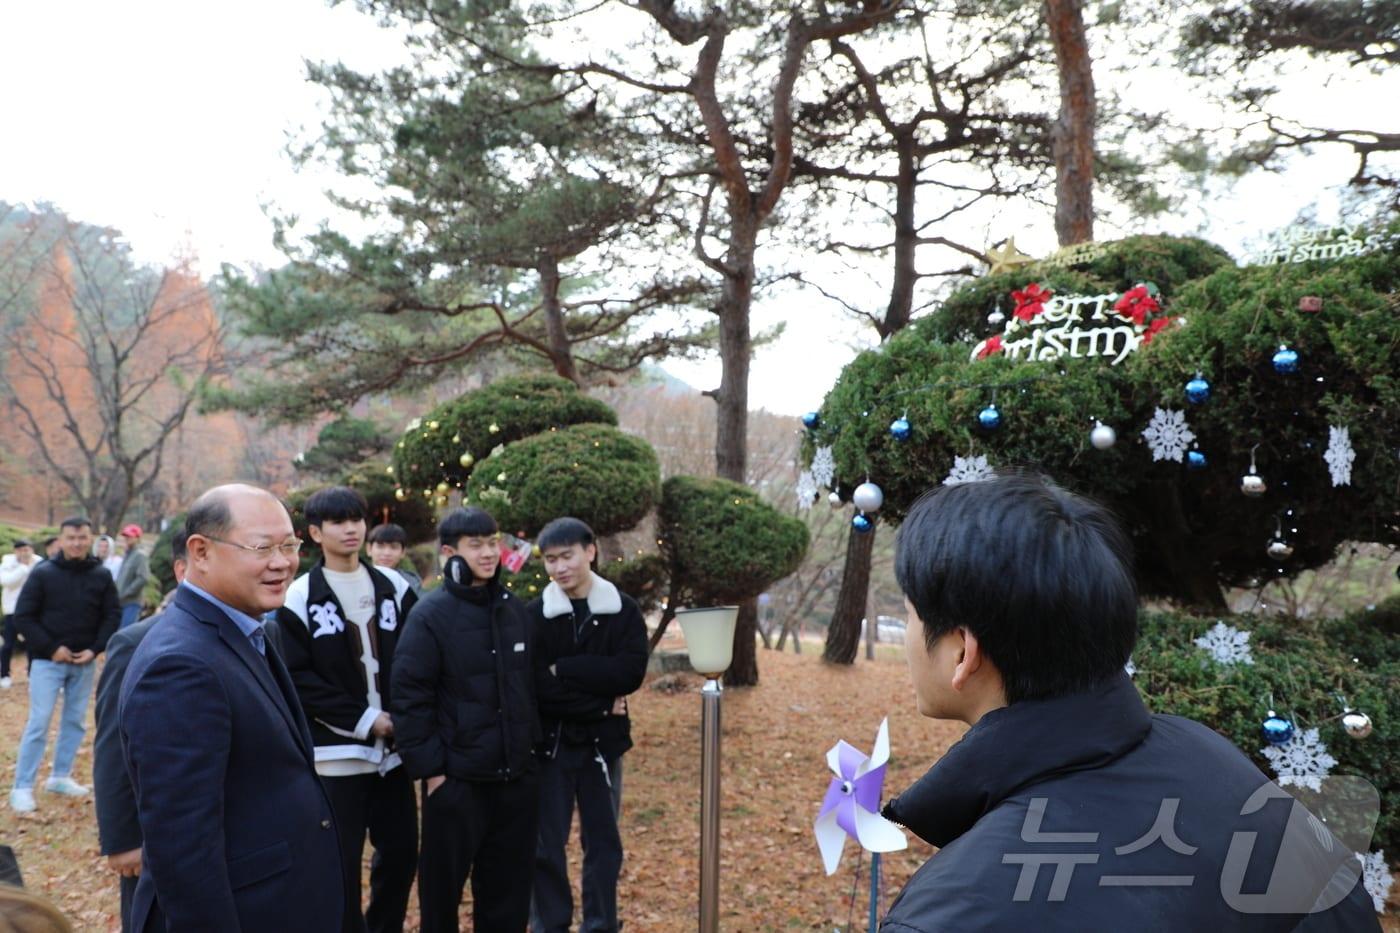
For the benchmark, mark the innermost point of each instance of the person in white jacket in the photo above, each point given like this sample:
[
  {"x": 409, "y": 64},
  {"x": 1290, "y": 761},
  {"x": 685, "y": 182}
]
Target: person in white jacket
[{"x": 14, "y": 570}]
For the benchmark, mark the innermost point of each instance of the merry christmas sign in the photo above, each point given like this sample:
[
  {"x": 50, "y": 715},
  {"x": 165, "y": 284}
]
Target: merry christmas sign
[{"x": 1046, "y": 326}]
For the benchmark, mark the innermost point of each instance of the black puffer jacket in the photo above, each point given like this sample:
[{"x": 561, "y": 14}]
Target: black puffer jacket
[
  {"x": 1085, "y": 813},
  {"x": 463, "y": 690},
  {"x": 67, "y": 602}
]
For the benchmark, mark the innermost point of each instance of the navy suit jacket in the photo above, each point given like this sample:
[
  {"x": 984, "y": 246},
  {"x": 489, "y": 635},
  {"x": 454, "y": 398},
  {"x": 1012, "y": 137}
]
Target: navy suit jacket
[
  {"x": 237, "y": 829},
  {"x": 118, "y": 829}
]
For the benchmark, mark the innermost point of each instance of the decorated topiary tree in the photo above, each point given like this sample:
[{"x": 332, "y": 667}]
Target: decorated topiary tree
[
  {"x": 722, "y": 544},
  {"x": 1075, "y": 370},
  {"x": 594, "y": 472},
  {"x": 439, "y": 450}
]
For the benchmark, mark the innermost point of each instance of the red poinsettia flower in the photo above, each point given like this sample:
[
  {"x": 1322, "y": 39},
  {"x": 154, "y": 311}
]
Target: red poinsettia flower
[
  {"x": 1137, "y": 303},
  {"x": 993, "y": 345},
  {"x": 1031, "y": 301},
  {"x": 1158, "y": 324}
]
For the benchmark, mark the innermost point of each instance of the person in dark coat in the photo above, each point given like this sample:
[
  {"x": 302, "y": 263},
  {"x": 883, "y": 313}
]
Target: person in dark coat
[
  {"x": 238, "y": 833},
  {"x": 66, "y": 612},
  {"x": 337, "y": 632},
  {"x": 592, "y": 652},
  {"x": 118, "y": 825},
  {"x": 466, "y": 723},
  {"x": 1067, "y": 805}
]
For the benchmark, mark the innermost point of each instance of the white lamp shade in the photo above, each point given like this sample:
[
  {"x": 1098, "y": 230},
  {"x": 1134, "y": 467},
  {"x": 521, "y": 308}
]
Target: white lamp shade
[{"x": 709, "y": 637}]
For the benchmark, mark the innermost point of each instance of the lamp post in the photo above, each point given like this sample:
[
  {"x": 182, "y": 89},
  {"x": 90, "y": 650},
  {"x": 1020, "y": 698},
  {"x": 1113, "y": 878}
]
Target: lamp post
[{"x": 709, "y": 640}]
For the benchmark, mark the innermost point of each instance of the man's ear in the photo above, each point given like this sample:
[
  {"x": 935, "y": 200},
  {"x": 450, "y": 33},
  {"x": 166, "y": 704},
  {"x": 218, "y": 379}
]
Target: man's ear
[
  {"x": 197, "y": 549},
  {"x": 447, "y": 551},
  {"x": 314, "y": 531},
  {"x": 970, "y": 659}
]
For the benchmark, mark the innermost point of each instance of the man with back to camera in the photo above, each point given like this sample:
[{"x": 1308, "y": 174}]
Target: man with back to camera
[
  {"x": 238, "y": 834},
  {"x": 338, "y": 631},
  {"x": 14, "y": 570},
  {"x": 66, "y": 612},
  {"x": 118, "y": 823},
  {"x": 1022, "y": 613},
  {"x": 467, "y": 724},
  {"x": 592, "y": 653}
]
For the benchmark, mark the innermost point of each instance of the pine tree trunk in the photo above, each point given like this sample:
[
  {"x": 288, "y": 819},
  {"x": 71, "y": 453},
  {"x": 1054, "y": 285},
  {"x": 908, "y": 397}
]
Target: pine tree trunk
[
  {"x": 843, "y": 635},
  {"x": 1072, "y": 136},
  {"x": 561, "y": 353}
]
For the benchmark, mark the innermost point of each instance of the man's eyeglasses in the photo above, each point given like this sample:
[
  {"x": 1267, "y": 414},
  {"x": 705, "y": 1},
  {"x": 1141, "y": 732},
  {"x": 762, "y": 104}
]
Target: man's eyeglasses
[{"x": 288, "y": 549}]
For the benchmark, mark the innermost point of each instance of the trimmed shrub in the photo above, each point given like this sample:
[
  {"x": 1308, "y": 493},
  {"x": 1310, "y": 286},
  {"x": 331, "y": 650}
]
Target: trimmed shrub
[
  {"x": 643, "y": 578},
  {"x": 431, "y": 451},
  {"x": 722, "y": 543},
  {"x": 162, "y": 567},
  {"x": 594, "y": 472},
  {"x": 1302, "y": 668}
]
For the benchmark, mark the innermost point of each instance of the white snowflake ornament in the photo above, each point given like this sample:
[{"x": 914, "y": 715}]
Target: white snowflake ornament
[
  {"x": 806, "y": 490},
  {"x": 823, "y": 468},
  {"x": 1302, "y": 761},
  {"x": 1375, "y": 874},
  {"x": 1340, "y": 455},
  {"x": 969, "y": 470},
  {"x": 1227, "y": 644},
  {"x": 1167, "y": 435}
]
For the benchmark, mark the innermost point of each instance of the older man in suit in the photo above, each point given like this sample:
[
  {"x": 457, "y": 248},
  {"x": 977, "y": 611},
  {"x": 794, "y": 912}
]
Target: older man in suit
[{"x": 238, "y": 834}]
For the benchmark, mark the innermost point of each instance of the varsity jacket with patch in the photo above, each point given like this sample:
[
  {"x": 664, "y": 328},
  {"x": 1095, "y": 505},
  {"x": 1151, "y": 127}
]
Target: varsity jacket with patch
[{"x": 324, "y": 656}]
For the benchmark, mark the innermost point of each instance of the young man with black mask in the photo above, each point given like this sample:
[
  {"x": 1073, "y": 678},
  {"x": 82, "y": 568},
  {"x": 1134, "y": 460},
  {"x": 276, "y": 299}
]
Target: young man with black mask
[
  {"x": 467, "y": 724},
  {"x": 338, "y": 633},
  {"x": 592, "y": 653},
  {"x": 1067, "y": 805}
]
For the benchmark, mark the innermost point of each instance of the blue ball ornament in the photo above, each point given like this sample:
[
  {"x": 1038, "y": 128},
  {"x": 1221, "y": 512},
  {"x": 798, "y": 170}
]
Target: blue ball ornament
[
  {"x": 989, "y": 418},
  {"x": 1276, "y": 729},
  {"x": 811, "y": 421},
  {"x": 900, "y": 429},
  {"x": 1197, "y": 390},
  {"x": 862, "y": 523},
  {"x": 1195, "y": 460},
  {"x": 1285, "y": 361}
]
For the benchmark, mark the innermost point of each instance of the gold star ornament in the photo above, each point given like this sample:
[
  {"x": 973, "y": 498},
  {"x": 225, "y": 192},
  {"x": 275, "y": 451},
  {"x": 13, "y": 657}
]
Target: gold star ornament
[{"x": 1006, "y": 258}]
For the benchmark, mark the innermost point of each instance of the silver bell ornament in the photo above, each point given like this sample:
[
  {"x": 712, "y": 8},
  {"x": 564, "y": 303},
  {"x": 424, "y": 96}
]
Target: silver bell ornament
[
  {"x": 868, "y": 497},
  {"x": 1252, "y": 484},
  {"x": 834, "y": 500},
  {"x": 1357, "y": 724},
  {"x": 1102, "y": 437},
  {"x": 996, "y": 318},
  {"x": 1279, "y": 549}
]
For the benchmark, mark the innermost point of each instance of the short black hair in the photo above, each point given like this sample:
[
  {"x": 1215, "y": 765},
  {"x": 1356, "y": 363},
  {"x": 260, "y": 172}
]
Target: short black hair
[
  {"x": 22, "y": 542},
  {"x": 388, "y": 533},
  {"x": 75, "y": 521},
  {"x": 179, "y": 545},
  {"x": 565, "y": 532},
  {"x": 470, "y": 522},
  {"x": 335, "y": 504},
  {"x": 50, "y": 541},
  {"x": 1041, "y": 576}
]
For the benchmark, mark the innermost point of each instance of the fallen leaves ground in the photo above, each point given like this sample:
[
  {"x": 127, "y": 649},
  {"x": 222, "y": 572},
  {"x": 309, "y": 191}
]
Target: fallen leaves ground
[{"x": 774, "y": 775}]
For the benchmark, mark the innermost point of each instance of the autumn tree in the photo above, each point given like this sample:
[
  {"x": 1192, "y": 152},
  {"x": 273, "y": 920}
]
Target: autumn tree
[{"x": 104, "y": 358}]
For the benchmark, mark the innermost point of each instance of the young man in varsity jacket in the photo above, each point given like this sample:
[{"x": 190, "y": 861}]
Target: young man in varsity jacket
[
  {"x": 337, "y": 631},
  {"x": 591, "y": 653}
]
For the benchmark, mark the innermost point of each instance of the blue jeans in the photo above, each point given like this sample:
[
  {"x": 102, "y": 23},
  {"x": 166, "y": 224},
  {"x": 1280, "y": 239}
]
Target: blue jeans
[
  {"x": 131, "y": 612},
  {"x": 46, "y": 680}
]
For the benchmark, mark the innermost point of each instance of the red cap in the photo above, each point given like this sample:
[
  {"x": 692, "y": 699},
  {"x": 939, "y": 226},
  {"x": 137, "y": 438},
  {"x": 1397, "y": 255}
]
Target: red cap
[{"x": 131, "y": 531}]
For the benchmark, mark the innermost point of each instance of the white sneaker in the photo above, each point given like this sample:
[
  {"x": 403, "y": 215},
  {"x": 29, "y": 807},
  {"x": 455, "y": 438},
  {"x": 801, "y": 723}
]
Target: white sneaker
[
  {"x": 65, "y": 786},
  {"x": 6, "y": 683},
  {"x": 22, "y": 801}
]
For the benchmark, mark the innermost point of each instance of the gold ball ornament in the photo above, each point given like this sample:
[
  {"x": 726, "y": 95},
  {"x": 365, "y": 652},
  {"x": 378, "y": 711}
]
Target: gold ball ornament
[{"x": 466, "y": 460}]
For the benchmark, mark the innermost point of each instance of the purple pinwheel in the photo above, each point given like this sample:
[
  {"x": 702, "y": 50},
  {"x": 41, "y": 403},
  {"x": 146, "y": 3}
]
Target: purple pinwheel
[{"x": 852, "y": 803}]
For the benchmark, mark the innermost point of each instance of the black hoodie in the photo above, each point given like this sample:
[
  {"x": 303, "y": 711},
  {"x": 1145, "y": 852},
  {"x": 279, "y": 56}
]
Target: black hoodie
[
  {"x": 69, "y": 603},
  {"x": 464, "y": 693},
  {"x": 1086, "y": 812}
]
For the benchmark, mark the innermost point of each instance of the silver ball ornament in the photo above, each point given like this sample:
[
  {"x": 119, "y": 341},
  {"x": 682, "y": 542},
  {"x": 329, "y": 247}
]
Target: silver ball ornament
[
  {"x": 1279, "y": 549},
  {"x": 1102, "y": 437},
  {"x": 868, "y": 497},
  {"x": 996, "y": 318},
  {"x": 1357, "y": 724},
  {"x": 834, "y": 500}
]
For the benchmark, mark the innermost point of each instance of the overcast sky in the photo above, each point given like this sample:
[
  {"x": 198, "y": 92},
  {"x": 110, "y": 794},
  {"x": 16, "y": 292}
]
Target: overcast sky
[{"x": 168, "y": 120}]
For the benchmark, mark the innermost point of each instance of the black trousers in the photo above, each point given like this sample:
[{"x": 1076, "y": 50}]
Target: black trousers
[
  {"x": 485, "y": 831},
  {"x": 7, "y": 650},
  {"x": 577, "y": 774},
  {"x": 387, "y": 809},
  {"x": 128, "y": 892}
]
